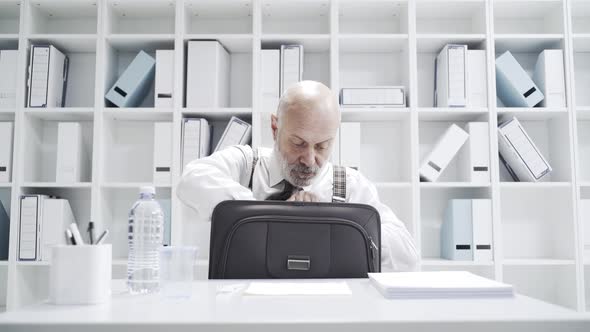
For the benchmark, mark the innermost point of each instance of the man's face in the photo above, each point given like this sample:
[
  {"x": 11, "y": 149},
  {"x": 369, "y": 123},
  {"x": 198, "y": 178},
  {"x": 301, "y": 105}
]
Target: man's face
[{"x": 303, "y": 143}]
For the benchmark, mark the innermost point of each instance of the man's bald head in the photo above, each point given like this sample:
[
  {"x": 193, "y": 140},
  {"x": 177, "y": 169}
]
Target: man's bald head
[
  {"x": 309, "y": 99},
  {"x": 304, "y": 129}
]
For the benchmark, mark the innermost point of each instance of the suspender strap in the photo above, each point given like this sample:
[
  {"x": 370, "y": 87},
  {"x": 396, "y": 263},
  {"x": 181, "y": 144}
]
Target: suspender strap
[
  {"x": 254, "y": 162},
  {"x": 339, "y": 185}
]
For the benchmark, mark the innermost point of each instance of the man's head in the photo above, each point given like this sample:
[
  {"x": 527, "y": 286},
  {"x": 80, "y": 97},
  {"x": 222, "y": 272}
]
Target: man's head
[{"x": 304, "y": 129}]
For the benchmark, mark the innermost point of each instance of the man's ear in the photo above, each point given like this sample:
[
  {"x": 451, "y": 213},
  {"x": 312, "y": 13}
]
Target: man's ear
[{"x": 274, "y": 124}]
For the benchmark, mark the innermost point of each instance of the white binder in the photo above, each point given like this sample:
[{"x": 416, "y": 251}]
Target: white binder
[
  {"x": 71, "y": 159},
  {"x": 550, "y": 78},
  {"x": 57, "y": 216},
  {"x": 481, "y": 216},
  {"x": 513, "y": 85},
  {"x": 379, "y": 96},
  {"x": 48, "y": 73},
  {"x": 475, "y": 157},
  {"x": 270, "y": 62},
  {"x": 29, "y": 230},
  {"x": 196, "y": 140},
  {"x": 451, "y": 76},
  {"x": 477, "y": 86},
  {"x": 6, "y": 135},
  {"x": 207, "y": 74},
  {"x": 8, "y": 72},
  {"x": 443, "y": 152},
  {"x": 237, "y": 132},
  {"x": 350, "y": 143},
  {"x": 164, "y": 86},
  {"x": 522, "y": 158},
  {"x": 291, "y": 65},
  {"x": 162, "y": 152},
  {"x": 457, "y": 231}
]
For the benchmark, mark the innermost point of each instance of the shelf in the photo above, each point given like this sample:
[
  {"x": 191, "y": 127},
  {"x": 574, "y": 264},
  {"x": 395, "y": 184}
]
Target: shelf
[
  {"x": 452, "y": 114},
  {"x": 61, "y": 114},
  {"x": 533, "y": 185},
  {"x": 3, "y": 263},
  {"x": 234, "y": 43},
  {"x": 6, "y": 185},
  {"x": 34, "y": 264},
  {"x": 527, "y": 43},
  {"x": 133, "y": 185},
  {"x": 353, "y": 114},
  {"x": 217, "y": 113},
  {"x": 532, "y": 113},
  {"x": 138, "y": 114},
  {"x": 446, "y": 262},
  {"x": 438, "y": 185},
  {"x": 393, "y": 185},
  {"x": 373, "y": 43},
  {"x": 78, "y": 185},
  {"x": 433, "y": 43},
  {"x": 84, "y": 43},
  {"x": 311, "y": 42},
  {"x": 135, "y": 42},
  {"x": 539, "y": 262}
]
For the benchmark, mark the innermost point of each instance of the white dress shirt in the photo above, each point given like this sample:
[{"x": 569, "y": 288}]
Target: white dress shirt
[{"x": 225, "y": 175}]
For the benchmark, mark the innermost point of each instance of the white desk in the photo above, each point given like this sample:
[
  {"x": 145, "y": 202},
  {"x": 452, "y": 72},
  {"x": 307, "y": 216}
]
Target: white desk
[{"x": 365, "y": 309}]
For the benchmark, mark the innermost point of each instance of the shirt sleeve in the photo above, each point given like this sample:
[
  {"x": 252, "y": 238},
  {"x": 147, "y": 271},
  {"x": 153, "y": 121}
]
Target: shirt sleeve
[
  {"x": 224, "y": 175},
  {"x": 398, "y": 252}
]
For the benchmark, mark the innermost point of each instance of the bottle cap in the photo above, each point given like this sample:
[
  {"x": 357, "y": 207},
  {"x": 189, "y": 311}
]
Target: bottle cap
[{"x": 147, "y": 190}]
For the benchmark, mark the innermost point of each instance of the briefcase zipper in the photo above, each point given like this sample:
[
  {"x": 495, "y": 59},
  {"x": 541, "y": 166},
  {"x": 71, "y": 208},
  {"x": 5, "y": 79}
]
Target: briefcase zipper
[{"x": 370, "y": 245}]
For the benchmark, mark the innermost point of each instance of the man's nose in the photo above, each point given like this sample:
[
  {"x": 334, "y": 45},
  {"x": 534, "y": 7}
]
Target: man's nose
[{"x": 308, "y": 157}]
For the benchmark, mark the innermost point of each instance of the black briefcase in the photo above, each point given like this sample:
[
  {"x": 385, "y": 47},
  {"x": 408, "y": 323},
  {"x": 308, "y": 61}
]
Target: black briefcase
[{"x": 272, "y": 239}]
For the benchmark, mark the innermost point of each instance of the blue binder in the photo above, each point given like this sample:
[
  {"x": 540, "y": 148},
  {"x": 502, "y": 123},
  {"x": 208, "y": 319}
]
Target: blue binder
[
  {"x": 457, "y": 231},
  {"x": 4, "y": 232},
  {"x": 132, "y": 87},
  {"x": 513, "y": 85}
]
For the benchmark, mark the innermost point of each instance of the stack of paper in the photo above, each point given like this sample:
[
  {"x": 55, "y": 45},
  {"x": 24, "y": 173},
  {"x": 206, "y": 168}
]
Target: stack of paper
[{"x": 441, "y": 284}]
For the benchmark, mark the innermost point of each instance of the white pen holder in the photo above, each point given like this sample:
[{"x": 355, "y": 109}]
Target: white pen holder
[{"x": 80, "y": 274}]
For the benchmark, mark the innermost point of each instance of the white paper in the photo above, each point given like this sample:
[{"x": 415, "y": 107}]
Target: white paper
[{"x": 298, "y": 288}]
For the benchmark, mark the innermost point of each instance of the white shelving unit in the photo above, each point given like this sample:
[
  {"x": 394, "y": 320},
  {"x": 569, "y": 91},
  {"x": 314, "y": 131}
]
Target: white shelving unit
[{"x": 541, "y": 237}]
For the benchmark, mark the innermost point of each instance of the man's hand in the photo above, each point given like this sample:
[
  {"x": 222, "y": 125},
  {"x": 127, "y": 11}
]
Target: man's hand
[{"x": 303, "y": 196}]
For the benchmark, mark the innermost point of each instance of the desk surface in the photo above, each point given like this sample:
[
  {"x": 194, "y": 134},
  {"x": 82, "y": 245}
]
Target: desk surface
[{"x": 209, "y": 309}]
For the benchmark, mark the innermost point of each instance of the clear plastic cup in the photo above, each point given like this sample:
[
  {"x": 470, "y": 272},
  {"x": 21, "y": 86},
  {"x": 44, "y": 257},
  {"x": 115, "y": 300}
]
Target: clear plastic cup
[{"x": 177, "y": 264}]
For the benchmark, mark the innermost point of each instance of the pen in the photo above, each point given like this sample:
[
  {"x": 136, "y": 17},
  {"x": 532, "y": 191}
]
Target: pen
[
  {"x": 76, "y": 233},
  {"x": 70, "y": 237},
  {"x": 91, "y": 231},
  {"x": 102, "y": 236}
]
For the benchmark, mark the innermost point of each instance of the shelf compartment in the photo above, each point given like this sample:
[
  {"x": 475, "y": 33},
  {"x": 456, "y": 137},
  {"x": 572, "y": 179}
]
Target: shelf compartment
[
  {"x": 9, "y": 16},
  {"x": 581, "y": 52},
  {"x": 115, "y": 204},
  {"x": 241, "y": 72},
  {"x": 8, "y": 41},
  {"x": 428, "y": 47},
  {"x": 537, "y": 223},
  {"x": 553, "y": 284},
  {"x": 81, "y": 53},
  {"x": 450, "y": 17},
  {"x": 433, "y": 203},
  {"x": 584, "y": 150},
  {"x": 128, "y": 149},
  {"x": 429, "y": 133},
  {"x": 378, "y": 17},
  {"x": 140, "y": 17},
  {"x": 218, "y": 123},
  {"x": 40, "y": 146},
  {"x": 63, "y": 17},
  {"x": 584, "y": 217},
  {"x": 212, "y": 16},
  {"x": 120, "y": 52},
  {"x": 316, "y": 54},
  {"x": 298, "y": 16},
  {"x": 374, "y": 61},
  {"x": 552, "y": 137},
  {"x": 528, "y": 16},
  {"x": 399, "y": 200},
  {"x": 580, "y": 11}
]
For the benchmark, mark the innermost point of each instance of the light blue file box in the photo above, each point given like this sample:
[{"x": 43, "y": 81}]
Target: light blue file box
[
  {"x": 132, "y": 87},
  {"x": 513, "y": 85},
  {"x": 456, "y": 234}
]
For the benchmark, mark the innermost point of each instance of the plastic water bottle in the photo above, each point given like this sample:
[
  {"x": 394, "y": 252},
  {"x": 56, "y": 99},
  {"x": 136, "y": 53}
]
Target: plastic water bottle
[{"x": 146, "y": 231}]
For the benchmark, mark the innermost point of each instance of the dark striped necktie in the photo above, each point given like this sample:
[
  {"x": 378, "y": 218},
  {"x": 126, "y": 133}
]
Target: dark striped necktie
[{"x": 283, "y": 195}]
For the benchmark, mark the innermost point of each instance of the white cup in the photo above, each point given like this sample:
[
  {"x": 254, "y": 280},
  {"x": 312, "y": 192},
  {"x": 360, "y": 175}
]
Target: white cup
[{"x": 80, "y": 274}]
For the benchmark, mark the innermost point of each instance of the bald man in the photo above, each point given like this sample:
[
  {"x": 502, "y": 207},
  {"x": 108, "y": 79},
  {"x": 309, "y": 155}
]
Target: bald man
[{"x": 296, "y": 169}]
